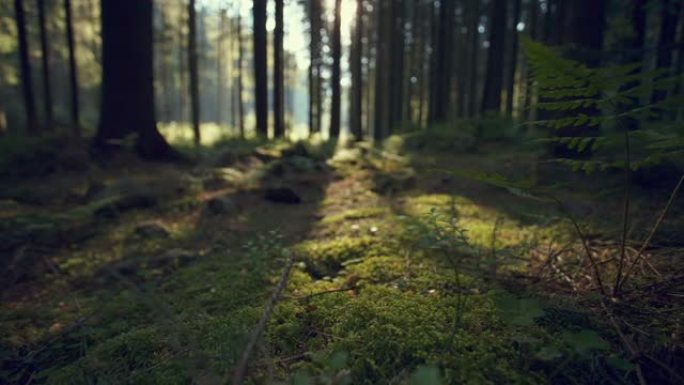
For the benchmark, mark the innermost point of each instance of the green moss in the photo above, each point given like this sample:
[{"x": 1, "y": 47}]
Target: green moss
[
  {"x": 355, "y": 214},
  {"x": 325, "y": 258}
]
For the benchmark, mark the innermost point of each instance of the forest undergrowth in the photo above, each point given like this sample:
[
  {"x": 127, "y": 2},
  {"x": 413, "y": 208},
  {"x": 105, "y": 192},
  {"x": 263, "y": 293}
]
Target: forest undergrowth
[{"x": 404, "y": 272}]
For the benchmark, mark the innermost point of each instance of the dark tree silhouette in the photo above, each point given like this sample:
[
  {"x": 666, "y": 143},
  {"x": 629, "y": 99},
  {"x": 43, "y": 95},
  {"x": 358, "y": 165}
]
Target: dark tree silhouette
[
  {"x": 670, "y": 11},
  {"x": 260, "y": 70},
  {"x": 356, "y": 96},
  {"x": 194, "y": 76},
  {"x": 45, "y": 59},
  {"x": 278, "y": 79},
  {"x": 335, "y": 78},
  {"x": 127, "y": 79},
  {"x": 441, "y": 72},
  {"x": 73, "y": 77},
  {"x": 495, "y": 59},
  {"x": 25, "y": 65}
]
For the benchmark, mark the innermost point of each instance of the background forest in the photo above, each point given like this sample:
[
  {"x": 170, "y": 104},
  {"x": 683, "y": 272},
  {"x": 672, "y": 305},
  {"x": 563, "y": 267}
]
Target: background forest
[{"x": 341, "y": 191}]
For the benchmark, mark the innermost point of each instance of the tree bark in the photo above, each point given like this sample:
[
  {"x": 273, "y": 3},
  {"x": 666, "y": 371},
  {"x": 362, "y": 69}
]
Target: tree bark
[
  {"x": 241, "y": 105},
  {"x": 25, "y": 66},
  {"x": 441, "y": 80},
  {"x": 356, "y": 99},
  {"x": 335, "y": 78},
  {"x": 495, "y": 58},
  {"x": 513, "y": 59},
  {"x": 194, "y": 76},
  {"x": 127, "y": 79},
  {"x": 73, "y": 77},
  {"x": 45, "y": 58},
  {"x": 669, "y": 18},
  {"x": 260, "y": 69},
  {"x": 278, "y": 68}
]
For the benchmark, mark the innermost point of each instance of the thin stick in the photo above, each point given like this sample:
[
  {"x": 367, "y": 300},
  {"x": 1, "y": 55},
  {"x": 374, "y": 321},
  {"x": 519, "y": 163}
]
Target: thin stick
[
  {"x": 655, "y": 227},
  {"x": 625, "y": 211},
  {"x": 241, "y": 371}
]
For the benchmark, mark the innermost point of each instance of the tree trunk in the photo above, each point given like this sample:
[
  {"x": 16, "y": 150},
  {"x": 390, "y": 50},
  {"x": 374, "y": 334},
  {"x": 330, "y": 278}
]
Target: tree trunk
[
  {"x": 356, "y": 99},
  {"x": 313, "y": 33},
  {"x": 25, "y": 66},
  {"x": 194, "y": 76},
  {"x": 513, "y": 65},
  {"x": 382, "y": 70},
  {"x": 669, "y": 18},
  {"x": 127, "y": 78},
  {"x": 441, "y": 80},
  {"x": 495, "y": 58},
  {"x": 260, "y": 70},
  {"x": 278, "y": 68},
  {"x": 473, "y": 58},
  {"x": 219, "y": 67},
  {"x": 73, "y": 77},
  {"x": 335, "y": 78},
  {"x": 241, "y": 105},
  {"x": 45, "y": 56}
]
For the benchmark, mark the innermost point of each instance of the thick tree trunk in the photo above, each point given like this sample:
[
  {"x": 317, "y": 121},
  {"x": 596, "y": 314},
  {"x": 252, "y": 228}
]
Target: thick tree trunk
[
  {"x": 127, "y": 78},
  {"x": 73, "y": 77},
  {"x": 313, "y": 33},
  {"x": 382, "y": 70},
  {"x": 194, "y": 75},
  {"x": 278, "y": 68},
  {"x": 25, "y": 66},
  {"x": 335, "y": 77},
  {"x": 260, "y": 69},
  {"x": 441, "y": 80},
  {"x": 491, "y": 101},
  {"x": 356, "y": 94},
  {"x": 45, "y": 57}
]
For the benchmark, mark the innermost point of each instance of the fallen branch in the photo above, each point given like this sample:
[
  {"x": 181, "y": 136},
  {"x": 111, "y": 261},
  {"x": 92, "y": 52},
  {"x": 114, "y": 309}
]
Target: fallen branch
[
  {"x": 241, "y": 371},
  {"x": 655, "y": 227}
]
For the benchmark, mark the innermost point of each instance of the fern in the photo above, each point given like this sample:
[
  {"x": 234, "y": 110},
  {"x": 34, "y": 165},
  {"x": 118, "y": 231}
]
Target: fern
[{"x": 604, "y": 98}]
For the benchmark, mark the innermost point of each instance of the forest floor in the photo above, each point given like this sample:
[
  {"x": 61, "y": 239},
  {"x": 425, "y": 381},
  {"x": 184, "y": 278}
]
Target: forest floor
[{"x": 415, "y": 262}]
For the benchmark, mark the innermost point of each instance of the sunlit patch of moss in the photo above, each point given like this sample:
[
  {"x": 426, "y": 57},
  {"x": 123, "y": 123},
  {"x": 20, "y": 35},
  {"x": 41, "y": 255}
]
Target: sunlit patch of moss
[
  {"x": 355, "y": 214},
  {"x": 483, "y": 224},
  {"x": 378, "y": 269},
  {"x": 325, "y": 258}
]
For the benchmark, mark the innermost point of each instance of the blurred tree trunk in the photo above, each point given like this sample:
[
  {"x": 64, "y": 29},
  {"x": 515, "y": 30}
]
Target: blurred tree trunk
[
  {"x": 73, "y": 77},
  {"x": 182, "y": 75},
  {"x": 441, "y": 79},
  {"x": 241, "y": 105},
  {"x": 127, "y": 78},
  {"x": 45, "y": 57},
  {"x": 194, "y": 76},
  {"x": 669, "y": 19},
  {"x": 356, "y": 94},
  {"x": 491, "y": 101},
  {"x": 474, "y": 54},
  {"x": 382, "y": 70},
  {"x": 260, "y": 68},
  {"x": 397, "y": 76},
  {"x": 513, "y": 59},
  {"x": 278, "y": 68},
  {"x": 335, "y": 78},
  {"x": 25, "y": 66},
  {"x": 219, "y": 67},
  {"x": 529, "y": 86},
  {"x": 313, "y": 51}
]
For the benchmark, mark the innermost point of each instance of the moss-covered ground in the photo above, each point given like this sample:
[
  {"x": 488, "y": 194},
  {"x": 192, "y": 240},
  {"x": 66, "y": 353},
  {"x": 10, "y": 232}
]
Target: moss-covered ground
[{"x": 407, "y": 271}]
